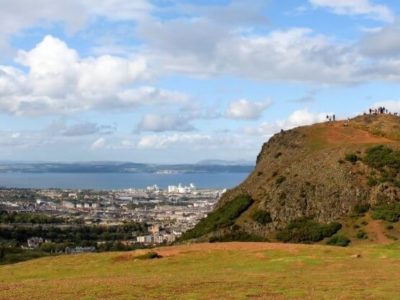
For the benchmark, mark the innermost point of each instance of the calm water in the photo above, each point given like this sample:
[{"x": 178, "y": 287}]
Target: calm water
[{"x": 117, "y": 180}]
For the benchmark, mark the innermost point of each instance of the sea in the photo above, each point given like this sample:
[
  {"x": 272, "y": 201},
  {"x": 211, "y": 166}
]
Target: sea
[{"x": 110, "y": 181}]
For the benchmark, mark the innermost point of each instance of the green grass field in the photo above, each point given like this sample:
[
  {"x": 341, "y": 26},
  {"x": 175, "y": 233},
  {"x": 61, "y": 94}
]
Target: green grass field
[{"x": 212, "y": 271}]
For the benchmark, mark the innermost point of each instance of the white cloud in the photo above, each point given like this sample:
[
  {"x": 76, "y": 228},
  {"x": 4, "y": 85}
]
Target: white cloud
[
  {"x": 87, "y": 128},
  {"x": 303, "y": 117},
  {"x": 357, "y": 7},
  {"x": 298, "y": 118},
  {"x": 384, "y": 42},
  {"x": 98, "y": 144},
  {"x": 245, "y": 109},
  {"x": 198, "y": 142},
  {"x": 295, "y": 55},
  {"x": 60, "y": 81},
  {"x": 18, "y": 15},
  {"x": 160, "y": 123},
  {"x": 392, "y": 105},
  {"x": 165, "y": 141},
  {"x": 148, "y": 95}
]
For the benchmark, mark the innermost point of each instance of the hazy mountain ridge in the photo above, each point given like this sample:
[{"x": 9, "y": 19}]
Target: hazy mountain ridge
[{"x": 119, "y": 167}]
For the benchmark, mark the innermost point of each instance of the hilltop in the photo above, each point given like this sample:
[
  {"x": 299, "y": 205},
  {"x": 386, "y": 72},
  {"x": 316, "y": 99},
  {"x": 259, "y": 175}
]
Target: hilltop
[{"x": 314, "y": 181}]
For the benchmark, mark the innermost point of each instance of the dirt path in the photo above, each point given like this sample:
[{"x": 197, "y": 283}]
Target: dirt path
[
  {"x": 338, "y": 134},
  {"x": 375, "y": 227}
]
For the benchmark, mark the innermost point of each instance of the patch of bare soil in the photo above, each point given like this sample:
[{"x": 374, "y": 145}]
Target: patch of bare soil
[
  {"x": 375, "y": 228},
  {"x": 337, "y": 133}
]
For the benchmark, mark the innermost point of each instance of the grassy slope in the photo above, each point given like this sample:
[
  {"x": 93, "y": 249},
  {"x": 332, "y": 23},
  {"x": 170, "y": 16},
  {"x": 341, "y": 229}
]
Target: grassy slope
[{"x": 211, "y": 271}]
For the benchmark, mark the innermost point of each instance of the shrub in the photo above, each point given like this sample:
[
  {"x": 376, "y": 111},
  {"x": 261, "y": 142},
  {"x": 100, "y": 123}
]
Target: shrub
[
  {"x": 361, "y": 209},
  {"x": 306, "y": 230},
  {"x": 389, "y": 227},
  {"x": 381, "y": 156},
  {"x": 149, "y": 255},
  {"x": 361, "y": 234},
  {"x": 339, "y": 240},
  {"x": 222, "y": 217},
  {"x": 364, "y": 223},
  {"x": 386, "y": 212},
  {"x": 262, "y": 217},
  {"x": 351, "y": 157},
  {"x": 372, "y": 181},
  {"x": 280, "y": 179}
]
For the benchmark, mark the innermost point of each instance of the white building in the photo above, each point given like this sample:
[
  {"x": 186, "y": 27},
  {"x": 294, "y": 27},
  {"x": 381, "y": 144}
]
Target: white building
[
  {"x": 153, "y": 188},
  {"x": 173, "y": 189},
  {"x": 68, "y": 204}
]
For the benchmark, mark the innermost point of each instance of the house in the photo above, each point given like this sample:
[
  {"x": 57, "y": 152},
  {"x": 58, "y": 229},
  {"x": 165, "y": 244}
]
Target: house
[
  {"x": 145, "y": 239},
  {"x": 34, "y": 242}
]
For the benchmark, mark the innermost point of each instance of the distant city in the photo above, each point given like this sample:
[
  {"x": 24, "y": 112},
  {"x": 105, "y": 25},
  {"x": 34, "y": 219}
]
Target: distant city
[{"x": 163, "y": 214}]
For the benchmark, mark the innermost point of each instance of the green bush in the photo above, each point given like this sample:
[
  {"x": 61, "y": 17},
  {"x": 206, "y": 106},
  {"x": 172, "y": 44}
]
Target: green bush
[
  {"x": 262, "y": 217},
  {"x": 149, "y": 255},
  {"x": 361, "y": 234},
  {"x": 339, "y": 240},
  {"x": 361, "y": 209},
  {"x": 306, "y": 230},
  {"x": 379, "y": 157},
  {"x": 386, "y": 212},
  {"x": 351, "y": 157},
  {"x": 222, "y": 217}
]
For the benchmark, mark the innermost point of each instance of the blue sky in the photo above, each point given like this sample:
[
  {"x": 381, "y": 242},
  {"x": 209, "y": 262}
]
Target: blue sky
[{"x": 182, "y": 81}]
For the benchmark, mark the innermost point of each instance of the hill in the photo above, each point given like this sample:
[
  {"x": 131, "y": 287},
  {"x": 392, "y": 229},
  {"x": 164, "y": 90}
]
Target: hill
[
  {"x": 211, "y": 271},
  {"x": 122, "y": 167},
  {"x": 314, "y": 181}
]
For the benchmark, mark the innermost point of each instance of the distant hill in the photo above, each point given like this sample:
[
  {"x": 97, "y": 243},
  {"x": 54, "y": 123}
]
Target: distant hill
[
  {"x": 220, "y": 162},
  {"x": 314, "y": 181},
  {"x": 120, "y": 167}
]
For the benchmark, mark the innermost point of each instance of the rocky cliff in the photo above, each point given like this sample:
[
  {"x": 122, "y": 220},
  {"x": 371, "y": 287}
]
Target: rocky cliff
[{"x": 319, "y": 172}]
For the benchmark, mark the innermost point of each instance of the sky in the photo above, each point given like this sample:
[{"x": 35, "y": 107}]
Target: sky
[{"x": 182, "y": 81}]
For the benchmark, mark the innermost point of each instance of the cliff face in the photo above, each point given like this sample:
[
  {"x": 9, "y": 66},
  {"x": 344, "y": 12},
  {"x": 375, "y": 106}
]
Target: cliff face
[{"x": 304, "y": 173}]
